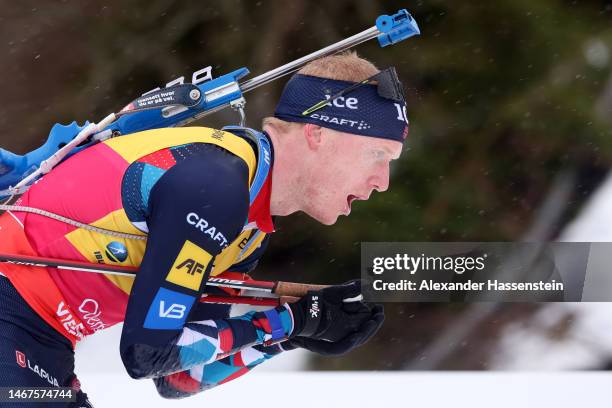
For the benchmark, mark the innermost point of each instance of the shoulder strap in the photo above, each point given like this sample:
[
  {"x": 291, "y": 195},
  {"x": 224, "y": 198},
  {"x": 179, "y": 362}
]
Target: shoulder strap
[{"x": 263, "y": 156}]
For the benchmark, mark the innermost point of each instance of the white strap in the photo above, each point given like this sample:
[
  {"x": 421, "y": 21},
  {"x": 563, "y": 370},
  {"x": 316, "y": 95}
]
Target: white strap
[{"x": 69, "y": 221}]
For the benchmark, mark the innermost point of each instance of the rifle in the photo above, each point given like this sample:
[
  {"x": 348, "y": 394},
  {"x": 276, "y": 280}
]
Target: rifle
[{"x": 177, "y": 104}]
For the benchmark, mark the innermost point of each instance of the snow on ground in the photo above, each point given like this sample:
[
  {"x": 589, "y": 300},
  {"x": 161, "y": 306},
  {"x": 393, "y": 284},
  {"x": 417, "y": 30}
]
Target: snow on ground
[
  {"x": 369, "y": 389},
  {"x": 535, "y": 344},
  {"x": 532, "y": 344}
]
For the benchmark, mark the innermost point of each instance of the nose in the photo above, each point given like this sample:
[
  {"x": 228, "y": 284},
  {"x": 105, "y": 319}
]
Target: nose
[{"x": 380, "y": 181}]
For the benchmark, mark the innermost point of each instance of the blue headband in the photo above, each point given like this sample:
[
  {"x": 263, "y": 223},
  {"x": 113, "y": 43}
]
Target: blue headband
[{"x": 362, "y": 111}]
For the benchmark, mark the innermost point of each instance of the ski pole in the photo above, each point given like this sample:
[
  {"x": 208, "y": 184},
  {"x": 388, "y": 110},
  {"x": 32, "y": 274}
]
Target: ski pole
[
  {"x": 247, "y": 300},
  {"x": 278, "y": 288}
]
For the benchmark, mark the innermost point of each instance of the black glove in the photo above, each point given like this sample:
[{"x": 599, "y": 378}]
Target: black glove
[
  {"x": 324, "y": 315},
  {"x": 343, "y": 346}
]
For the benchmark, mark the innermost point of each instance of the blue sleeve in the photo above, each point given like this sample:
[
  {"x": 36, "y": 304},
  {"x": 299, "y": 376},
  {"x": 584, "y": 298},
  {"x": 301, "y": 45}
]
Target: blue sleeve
[{"x": 195, "y": 210}]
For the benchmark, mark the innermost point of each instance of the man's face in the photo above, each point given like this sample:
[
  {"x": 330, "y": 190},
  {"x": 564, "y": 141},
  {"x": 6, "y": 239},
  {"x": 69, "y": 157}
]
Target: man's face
[{"x": 349, "y": 168}]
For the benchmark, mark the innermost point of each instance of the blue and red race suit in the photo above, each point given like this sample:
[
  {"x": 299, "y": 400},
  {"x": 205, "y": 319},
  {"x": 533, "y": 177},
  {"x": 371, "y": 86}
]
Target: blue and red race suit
[{"x": 189, "y": 195}]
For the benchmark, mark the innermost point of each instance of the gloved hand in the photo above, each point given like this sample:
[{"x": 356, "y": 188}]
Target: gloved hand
[
  {"x": 325, "y": 315},
  {"x": 343, "y": 346}
]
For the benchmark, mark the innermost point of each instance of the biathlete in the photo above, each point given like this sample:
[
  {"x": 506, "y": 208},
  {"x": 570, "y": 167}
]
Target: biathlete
[{"x": 201, "y": 202}]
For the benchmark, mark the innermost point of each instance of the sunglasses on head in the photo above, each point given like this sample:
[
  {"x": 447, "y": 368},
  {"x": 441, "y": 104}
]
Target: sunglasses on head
[{"x": 388, "y": 86}]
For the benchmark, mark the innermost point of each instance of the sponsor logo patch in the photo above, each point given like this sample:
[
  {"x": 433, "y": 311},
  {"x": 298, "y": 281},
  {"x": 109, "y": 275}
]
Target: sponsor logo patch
[
  {"x": 169, "y": 310},
  {"x": 218, "y": 134},
  {"x": 69, "y": 321},
  {"x": 24, "y": 362},
  {"x": 91, "y": 314},
  {"x": 361, "y": 125},
  {"x": 99, "y": 257},
  {"x": 116, "y": 252},
  {"x": 314, "y": 307},
  {"x": 210, "y": 230},
  {"x": 189, "y": 266},
  {"x": 341, "y": 102},
  {"x": 21, "y": 359}
]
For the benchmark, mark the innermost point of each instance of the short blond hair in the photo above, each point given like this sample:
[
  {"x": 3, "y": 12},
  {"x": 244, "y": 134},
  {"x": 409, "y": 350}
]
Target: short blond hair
[{"x": 347, "y": 66}]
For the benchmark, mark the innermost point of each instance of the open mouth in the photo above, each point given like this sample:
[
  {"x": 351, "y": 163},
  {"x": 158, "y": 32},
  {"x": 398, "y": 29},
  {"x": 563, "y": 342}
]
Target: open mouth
[{"x": 350, "y": 199}]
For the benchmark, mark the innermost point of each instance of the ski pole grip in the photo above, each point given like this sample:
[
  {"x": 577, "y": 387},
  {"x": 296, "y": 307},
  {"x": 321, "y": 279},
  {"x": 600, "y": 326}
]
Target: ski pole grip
[
  {"x": 288, "y": 299},
  {"x": 295, "y": 289}
]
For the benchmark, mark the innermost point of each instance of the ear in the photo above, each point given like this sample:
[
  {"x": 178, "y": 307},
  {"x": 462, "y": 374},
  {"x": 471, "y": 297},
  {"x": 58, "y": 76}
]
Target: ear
[{"x": 312, "y": 135}]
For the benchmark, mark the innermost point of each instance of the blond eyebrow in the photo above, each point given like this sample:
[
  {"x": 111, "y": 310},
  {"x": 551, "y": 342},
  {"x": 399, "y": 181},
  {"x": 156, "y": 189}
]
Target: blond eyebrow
[{"x": 390, "y": 152}]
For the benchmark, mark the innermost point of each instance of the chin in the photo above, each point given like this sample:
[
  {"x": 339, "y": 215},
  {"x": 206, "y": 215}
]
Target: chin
[
  {"x": 325, "y": 219},
  {"x": 329, "y": 221}
]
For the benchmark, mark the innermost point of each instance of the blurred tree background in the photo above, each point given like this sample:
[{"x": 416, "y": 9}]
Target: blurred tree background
[{"x": 510, "y": 105}]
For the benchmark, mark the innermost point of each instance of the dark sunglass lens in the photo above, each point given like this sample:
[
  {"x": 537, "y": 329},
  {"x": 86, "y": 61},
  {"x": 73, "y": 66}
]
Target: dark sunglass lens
[{"x": 389, "y": 86}]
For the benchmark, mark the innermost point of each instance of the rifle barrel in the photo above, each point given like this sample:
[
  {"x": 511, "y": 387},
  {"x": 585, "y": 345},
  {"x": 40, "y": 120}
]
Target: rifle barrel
[{"x": 293, "y": 66}]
